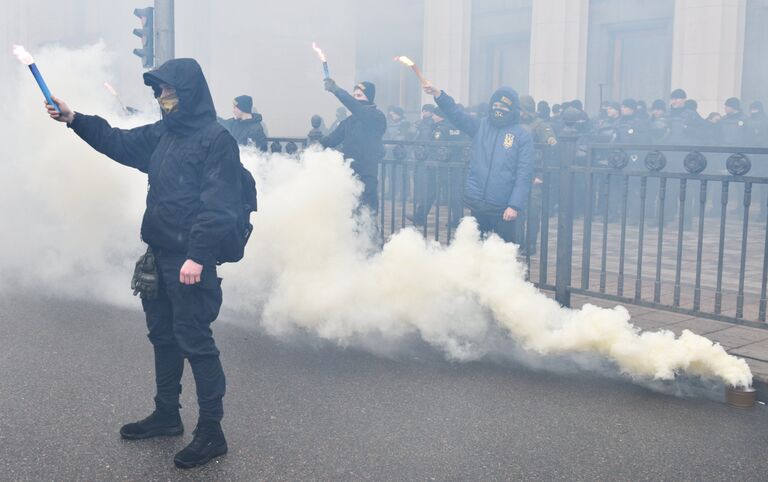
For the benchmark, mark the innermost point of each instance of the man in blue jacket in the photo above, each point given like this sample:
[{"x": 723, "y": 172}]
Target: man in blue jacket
[{"x": 499, "y": 174}]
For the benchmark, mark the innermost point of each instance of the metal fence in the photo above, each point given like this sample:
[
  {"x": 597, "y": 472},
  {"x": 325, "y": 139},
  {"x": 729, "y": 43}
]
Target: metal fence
[{"x": 680, "y": 228}]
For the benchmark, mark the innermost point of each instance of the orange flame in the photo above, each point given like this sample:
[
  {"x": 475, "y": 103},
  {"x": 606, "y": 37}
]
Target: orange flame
[
  {"x": 405, "y": 61},
  {"x": 410, "y": 63},
  {"x": 318, "y": 51}
]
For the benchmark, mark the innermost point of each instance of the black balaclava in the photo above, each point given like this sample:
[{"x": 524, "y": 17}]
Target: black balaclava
[
  {"x": 195, "y": 109},
  {"x": 368, "y": 89},
  {"x": 500, "y": 118}
]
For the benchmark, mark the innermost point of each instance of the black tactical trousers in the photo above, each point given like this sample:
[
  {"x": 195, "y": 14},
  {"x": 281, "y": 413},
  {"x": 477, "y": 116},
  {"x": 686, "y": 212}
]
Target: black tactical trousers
[{"x": 179, "y": 322}]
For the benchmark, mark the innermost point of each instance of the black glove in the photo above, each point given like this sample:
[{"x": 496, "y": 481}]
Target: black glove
[
  {"x": 145, "y": 279},
  {"x": 330, "y": 85}
]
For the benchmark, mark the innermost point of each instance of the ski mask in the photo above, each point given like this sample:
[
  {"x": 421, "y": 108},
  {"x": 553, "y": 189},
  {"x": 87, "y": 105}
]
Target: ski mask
[{"x": 505, "y": 107}]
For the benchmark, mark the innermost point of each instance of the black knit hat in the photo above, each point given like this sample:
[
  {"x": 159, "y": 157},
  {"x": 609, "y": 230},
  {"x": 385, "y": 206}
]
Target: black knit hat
[
  {"x": 397, "y": 110},
  {"x": 368, "y": 89},
  {"x": 659, "y": 104},
  {"x": 678, "y": 94},
  {"x": 428, "y": 108},
  {"x": 629, "y": 104},
  {"x": 756, "y": 105},
  {"x": 244, "y": 103},
  {"x": 733, "y": 103}
]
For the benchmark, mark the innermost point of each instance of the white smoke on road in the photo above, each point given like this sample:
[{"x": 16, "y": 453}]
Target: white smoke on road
[{"x": 311, "y": 268}]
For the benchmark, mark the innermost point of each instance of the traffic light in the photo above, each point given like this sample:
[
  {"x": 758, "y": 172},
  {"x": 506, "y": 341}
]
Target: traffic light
[{"x": 146, "y": 34}]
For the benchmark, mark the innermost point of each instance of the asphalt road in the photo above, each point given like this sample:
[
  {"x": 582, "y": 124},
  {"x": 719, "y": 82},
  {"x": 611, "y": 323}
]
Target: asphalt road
[{"x": 72, "y": 373}]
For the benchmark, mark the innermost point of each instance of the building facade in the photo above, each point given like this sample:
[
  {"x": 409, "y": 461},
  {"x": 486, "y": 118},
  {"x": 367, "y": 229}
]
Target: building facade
[
  {"x": 554, "y": 50},
  {"x": 591, "y": 49}
]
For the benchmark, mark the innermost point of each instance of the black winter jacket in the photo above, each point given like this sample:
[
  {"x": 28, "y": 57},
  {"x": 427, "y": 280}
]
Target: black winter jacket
[
  {"x": 734, "y": 130},
  {"x": 192, "y": 162},
  {"x": 359, "y": 135},
  {"x": 247, "y": 131}
]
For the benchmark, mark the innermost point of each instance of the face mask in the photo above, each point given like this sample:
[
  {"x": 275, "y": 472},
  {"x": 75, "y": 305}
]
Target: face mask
[
  {"x": 169, "y": 103},
  {"x": 501, "y": 118}
]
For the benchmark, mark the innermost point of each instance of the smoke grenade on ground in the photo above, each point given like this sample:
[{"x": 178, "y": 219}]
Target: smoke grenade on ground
[{"x": 313, "y": 267}]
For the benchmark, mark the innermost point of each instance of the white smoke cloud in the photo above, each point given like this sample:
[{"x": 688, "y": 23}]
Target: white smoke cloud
[
  {"x": 312, "y": 268},
  {"x": 315, "y": 272},
  {"x": 70, "y": 215}
]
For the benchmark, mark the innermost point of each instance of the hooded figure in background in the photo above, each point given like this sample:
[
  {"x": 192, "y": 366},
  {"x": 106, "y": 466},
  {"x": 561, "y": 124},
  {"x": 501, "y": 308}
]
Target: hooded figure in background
[
  {"x": 501, "y": 169},
  {"x": 359, "y": 136},
  {"x": 193, "y": 165},
  {"x": 245, "y": 125}
]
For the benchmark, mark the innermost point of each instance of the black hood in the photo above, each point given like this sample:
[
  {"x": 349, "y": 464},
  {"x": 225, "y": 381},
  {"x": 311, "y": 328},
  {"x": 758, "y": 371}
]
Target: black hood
[
  {"x": 196, "y": 108},
  {"x": 255, "y": 118}
]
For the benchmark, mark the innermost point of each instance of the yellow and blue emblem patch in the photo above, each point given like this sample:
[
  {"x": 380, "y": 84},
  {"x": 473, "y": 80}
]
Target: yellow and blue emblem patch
[{"x": 509, "y": 140}]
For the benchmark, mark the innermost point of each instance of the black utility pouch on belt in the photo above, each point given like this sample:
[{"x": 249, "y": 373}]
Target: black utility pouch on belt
[{"x": 145, "y": 279}]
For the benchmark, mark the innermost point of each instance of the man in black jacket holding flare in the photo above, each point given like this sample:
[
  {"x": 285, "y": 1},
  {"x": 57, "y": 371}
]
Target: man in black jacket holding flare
[{"x": 193, "y": 166}]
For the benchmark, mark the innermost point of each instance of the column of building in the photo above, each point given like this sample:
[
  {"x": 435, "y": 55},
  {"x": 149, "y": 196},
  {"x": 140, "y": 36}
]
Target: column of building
[
  {"x": 558, "y": 68},
  {"x": 447, "y": 25},
  {"x": 708, "y": 50}
]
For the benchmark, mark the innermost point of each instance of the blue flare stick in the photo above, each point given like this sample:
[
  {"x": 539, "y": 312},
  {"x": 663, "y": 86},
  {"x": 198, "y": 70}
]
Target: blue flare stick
[{"x": 43, "y": 86}]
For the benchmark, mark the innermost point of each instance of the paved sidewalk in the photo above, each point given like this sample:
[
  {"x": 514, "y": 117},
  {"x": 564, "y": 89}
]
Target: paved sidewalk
[{"x": 743, "y": 341}]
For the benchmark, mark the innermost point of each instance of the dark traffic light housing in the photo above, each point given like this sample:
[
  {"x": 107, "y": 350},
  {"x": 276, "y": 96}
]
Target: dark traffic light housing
[{"x": 146, "y": 34}]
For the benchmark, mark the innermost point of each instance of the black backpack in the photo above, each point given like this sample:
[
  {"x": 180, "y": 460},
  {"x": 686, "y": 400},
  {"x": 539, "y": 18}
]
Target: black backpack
[{"x": 232, "y": 247}]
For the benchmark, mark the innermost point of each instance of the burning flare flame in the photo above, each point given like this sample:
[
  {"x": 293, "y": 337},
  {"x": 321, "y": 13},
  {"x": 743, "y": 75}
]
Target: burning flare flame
[
  {"x": 23, "y": 56},
  {"x": 318, "y": 51},
  {"x": 405, "y": 61},
  {"x": 410, "y": 63}
]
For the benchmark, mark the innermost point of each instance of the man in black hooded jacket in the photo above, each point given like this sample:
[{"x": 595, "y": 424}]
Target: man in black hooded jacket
[
  {"x": 360, "y": 136},
  {"x": 193, "y": 165}
]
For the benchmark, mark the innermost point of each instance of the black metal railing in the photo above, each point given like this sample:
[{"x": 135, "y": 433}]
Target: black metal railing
[
  {"x": 669, "y": 227},
  {"x": 666, "y": 230}
]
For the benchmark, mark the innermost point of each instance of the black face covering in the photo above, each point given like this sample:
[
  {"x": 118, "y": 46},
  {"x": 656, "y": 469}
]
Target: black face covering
[{"x": 500, "y": 117}]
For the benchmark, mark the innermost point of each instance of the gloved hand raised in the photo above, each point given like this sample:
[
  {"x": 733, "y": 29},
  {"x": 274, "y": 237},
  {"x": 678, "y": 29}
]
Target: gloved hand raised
[{"x": 330, "y": 85}]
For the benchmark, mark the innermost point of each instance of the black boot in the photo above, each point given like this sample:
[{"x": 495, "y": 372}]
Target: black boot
[
  {"x": 209, "y": 443},
  {"x": 161, "y": 423}
]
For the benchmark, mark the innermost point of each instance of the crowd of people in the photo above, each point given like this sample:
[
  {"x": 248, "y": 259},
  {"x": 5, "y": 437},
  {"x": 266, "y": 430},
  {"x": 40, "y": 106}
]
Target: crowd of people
[
  {"x": 629, "y": 121},
  {"x": 673, "y": 122}
]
